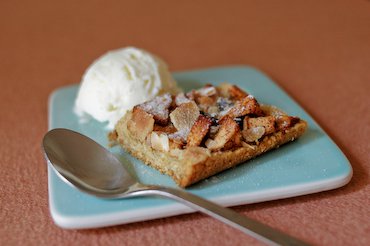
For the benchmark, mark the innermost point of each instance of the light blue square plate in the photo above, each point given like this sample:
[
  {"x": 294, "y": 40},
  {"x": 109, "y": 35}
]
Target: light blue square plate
[{"x": 311, "y": 164}]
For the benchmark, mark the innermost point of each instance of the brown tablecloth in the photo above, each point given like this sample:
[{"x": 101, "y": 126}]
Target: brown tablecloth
[{"x": 318, "y": 51}]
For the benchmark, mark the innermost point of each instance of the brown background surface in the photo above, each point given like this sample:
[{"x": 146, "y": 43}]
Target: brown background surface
[{"x": 318, "y": 51}]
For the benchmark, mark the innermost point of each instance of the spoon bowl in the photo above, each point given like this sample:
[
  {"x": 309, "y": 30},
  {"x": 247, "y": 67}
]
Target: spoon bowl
[{"x": 86, "y": 165}]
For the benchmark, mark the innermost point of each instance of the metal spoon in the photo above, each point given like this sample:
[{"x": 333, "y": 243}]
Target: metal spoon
[{"x": 86, "y": 165}]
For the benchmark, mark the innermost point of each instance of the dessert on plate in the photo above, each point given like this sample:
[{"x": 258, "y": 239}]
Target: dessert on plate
[
  {"x": 192, "y": 136},
  {"x": 189, "y": 136}
]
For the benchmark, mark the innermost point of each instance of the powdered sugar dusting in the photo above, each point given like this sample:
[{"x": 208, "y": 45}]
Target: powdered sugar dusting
[
  {"x": 181, "y": 98},
  {"x": 158, "y": 106},
  {"x": 180, "y": 135}
]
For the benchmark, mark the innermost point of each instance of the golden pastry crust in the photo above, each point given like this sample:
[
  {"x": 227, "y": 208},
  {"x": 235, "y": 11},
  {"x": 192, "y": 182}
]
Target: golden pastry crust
[{"x": 202, "y": 158}]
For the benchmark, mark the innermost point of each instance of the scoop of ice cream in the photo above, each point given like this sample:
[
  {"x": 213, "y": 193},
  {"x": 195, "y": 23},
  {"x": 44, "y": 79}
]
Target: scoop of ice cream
[{"x": 119, "y": 80}]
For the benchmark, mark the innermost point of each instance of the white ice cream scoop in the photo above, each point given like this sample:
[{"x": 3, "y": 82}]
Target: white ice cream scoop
[{"x": 119, "y": 80}]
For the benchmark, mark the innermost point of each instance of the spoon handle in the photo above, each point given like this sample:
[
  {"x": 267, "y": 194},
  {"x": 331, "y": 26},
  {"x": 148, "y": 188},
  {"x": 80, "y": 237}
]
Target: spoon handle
[{"x": 249, "y": 226}]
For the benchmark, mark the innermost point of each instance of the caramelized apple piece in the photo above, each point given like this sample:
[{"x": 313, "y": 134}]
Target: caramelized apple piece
[
  {"x": 158, "y": 107},
  {"x": 236, "y": 93},
  {"x": 140, "y": 124},
  {"x": 205, "y": 101},
  {"x": 268, "y": 122},
  {"x": 223, "y": 89},
  {"x": 183, "y": 118},
  {"x": 283, "y": 122},
  {"x": 235, "y": 141},
  {"x": 231, "y": 91},
  {"x": 272, "y": 110},
  {"x": 176, "y": 143},
  {"x": 247, "y": 105},
  {"x": 253, "y": 134},
  {"x": 165, "y": 129},
  {"x": 227, "y": 130},
  {"x": 198, "y": 131}
]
